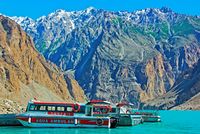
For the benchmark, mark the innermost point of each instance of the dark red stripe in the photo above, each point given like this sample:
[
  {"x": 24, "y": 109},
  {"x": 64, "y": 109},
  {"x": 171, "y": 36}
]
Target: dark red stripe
[
  {"x": 53, "y": 121},
  {"x": 62, "y": 121},
  {"x": 61, "y": 113},
  {"x": 92, "y": 122},
  {"x": 22, "y": 118}
]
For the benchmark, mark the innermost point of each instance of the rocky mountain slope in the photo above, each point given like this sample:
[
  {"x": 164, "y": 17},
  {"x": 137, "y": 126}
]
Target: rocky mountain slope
[
  {"x": 25, "y": 74},
  {"x": 132, "y": 56},
  {"x": 185, "y": 94},
  {"x": 191, "y": 104}
]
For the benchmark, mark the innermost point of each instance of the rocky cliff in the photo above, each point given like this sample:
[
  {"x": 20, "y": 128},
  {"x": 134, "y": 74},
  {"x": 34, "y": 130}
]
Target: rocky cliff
[
  {"x": 183, "y": 95},
  {"x": 25, "y": 74},
  {"x": 117, "y": 56}
]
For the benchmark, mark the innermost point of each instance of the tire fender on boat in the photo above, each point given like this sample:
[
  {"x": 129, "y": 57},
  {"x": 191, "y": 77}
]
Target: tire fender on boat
[
  {"x": 99, "y": 122},
  {"x": 137, "y": 112},
  {"x": 76, "y": 107},
  {"x": 107, "y": 109}
]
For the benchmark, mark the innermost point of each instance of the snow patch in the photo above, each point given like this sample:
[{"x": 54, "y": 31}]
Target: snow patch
[{"x": 88, "y": 10}]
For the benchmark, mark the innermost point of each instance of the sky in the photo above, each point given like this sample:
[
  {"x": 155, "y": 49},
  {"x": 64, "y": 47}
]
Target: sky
[{"x": 38, "y": 8}]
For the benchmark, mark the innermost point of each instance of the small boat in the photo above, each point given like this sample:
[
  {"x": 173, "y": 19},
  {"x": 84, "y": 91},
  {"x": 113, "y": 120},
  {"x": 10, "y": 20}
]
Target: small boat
[
  {"x": 148, "y": 116},
  {"x": 104, "y": 108},
  {"x": 61, "y": 114},
  {"x": 126, "y": 110}
]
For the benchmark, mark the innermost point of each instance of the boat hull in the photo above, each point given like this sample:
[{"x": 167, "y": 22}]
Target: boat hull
[
  {"x": 125, "y": 119},
  {"x": 151, "y": 118},
  {"x": 65, "y": 122},
  {"x": 129, "y": 120}
]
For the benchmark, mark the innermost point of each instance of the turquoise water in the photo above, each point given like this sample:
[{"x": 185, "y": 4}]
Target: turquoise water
[{"x": 173, "y": 122}]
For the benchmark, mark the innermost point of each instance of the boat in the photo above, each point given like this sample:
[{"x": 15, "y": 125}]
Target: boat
[
  {"x": 125, "y": 112},
  {"x": 104, "y": 108},
  {"x": 148, "y": 116},
  {"x": 61, "y": 114}
]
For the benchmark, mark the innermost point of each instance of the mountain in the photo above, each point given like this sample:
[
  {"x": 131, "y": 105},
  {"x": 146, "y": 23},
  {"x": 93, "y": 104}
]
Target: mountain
[
  {"x": 185, "y": 94},
  {"x": 119, "y": 56},
  {"x": 51, "y": 29},
  {"x": 25, "y": 74}
]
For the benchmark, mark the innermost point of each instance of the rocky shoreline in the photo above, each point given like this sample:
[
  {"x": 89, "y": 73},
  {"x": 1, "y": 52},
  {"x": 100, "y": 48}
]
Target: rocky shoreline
[{"x": 9, "y": 106}]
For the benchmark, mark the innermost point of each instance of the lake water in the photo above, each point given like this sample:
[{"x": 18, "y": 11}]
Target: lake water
[{"x": 173, "y": 122}]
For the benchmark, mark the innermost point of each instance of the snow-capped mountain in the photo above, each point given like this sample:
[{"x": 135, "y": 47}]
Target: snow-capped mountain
[
  {"x": 134, "y": 56},
  {"x": 53, "y": 28}
]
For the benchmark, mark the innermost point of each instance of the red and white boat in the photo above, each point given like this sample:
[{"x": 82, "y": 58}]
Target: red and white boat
[{"x": 59, "y": 114}]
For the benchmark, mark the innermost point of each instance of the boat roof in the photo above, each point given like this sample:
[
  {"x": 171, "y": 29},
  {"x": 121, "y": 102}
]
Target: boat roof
[
  {"x": 52, "y": 103},
  {"x": 93, "y": 102},
  {"x": 124, "y": 104}
]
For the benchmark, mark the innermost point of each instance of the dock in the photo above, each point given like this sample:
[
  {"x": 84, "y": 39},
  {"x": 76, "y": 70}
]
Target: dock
[{"x": 9, "y": 120}]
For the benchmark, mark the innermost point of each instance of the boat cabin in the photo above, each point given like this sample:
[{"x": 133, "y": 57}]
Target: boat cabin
[
  {"x": 57, "y": 108},
  {"x": 99, "y": 107},
  {"x": 94, "y": 107}
]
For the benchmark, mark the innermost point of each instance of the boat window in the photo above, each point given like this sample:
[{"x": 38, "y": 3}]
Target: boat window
[
  {"x": 69, "y": 109},
  {"x": 89, "y": 111},
  {"x": 114, "y": 110},
  {"x": 104, "y": 110},
  {"x": 42, "y": 108},
  {"x": 82, "y": 109},
  {"x": 51, "y": 108},
  {"x": 61, "y": 109},
  {"x": 32, "y": 108},
  {"x": 96, "y": 109}
]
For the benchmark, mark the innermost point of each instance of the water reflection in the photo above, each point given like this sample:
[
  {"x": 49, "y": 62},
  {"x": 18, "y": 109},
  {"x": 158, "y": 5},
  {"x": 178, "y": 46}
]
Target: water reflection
[
  {"x": 22, "y": 130},
  {"x": 173, "y": 122}
]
